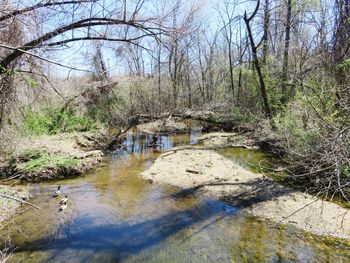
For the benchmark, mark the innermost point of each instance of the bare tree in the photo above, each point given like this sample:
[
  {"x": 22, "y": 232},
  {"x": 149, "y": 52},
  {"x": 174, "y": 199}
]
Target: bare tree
[
  {"x": 286, "y": 51},
  {"x": 104, "y": 24},
  {"x": 266, "y": 31},
  {"x": 99, "y": 65},
  {"x": 254, "y": 49},
  {"x": 228, "y": 18}
]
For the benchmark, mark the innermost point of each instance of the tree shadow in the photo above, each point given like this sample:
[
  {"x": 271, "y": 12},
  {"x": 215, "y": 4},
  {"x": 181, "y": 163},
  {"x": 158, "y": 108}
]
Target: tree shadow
[
  {"x": 86, "y": 240},
  {"x": 250, "y": 193}
]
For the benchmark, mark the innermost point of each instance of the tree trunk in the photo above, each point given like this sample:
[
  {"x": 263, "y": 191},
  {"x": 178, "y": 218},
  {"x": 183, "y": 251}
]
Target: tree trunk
[
  {"x": 285, "y": 93},
  {"x": 231, "y": 69},
  {"x": 266, "y": 31},
  {"x": 159, "y": 80},
  {"x": 267, "y": 110},
  {"x": 341, "y": 52},
  {"x": 239, "y": 86}
]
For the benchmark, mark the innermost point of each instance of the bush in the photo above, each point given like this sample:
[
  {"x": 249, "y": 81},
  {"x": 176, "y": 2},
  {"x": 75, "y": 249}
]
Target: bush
[
  {"x": 317, "y": 142},
  {"x": 291, "y": 127},
  {"x": 240, "y": 115},
  {"x": 103, "y": 104},
  {"x": 55, "y": 120}
]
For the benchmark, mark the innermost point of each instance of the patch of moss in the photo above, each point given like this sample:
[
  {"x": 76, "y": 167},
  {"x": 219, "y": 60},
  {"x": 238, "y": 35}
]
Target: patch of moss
[
  {"x": 336, "y": 242},
  {"x": 329, "y": 242}
]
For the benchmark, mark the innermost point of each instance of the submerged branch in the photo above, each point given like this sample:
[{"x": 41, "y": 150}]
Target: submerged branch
[{"x": 19, "y": 200}]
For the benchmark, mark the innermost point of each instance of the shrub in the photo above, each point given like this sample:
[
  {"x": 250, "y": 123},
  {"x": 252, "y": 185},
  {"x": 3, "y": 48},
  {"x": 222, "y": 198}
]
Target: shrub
[
  {"x": 240, "y": 115},
  {"x": 290, "y": 126}
]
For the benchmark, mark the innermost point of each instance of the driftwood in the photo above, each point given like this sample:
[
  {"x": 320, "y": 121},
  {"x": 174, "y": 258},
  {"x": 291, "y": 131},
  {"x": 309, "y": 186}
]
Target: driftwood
[
  {"x": 19, "y": 200},
  {"x": 132, "y": 122}
]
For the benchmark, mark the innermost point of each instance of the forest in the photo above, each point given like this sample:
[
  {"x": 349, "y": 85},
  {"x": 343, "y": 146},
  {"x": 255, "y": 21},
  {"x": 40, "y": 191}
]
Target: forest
[{"x": 276, "y": 73}]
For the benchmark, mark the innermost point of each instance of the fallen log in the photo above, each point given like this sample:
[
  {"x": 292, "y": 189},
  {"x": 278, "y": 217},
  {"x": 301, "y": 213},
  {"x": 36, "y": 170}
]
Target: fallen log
[{"x": 223, "y": 122}]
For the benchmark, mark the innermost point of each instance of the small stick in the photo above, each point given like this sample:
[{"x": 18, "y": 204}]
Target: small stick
[
  {"x": 192, "y": 171},
  {"x": 18, "y": 200}
]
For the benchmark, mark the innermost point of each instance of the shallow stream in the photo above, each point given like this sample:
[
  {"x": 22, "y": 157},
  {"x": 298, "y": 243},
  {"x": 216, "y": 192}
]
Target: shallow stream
[{"x": 115, "y": 216}]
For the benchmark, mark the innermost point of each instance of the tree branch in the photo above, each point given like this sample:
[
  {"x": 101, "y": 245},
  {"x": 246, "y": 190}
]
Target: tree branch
[
  {"x": 19, "y": 200},
  {"x": 40, "y": 5},
  {"x": 129, "y": 40},
  {"x": 41, "y": 58},
  {"x": 84, "y": 23}
]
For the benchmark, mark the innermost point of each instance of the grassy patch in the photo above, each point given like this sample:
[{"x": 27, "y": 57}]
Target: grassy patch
[
  {"x": 36, "y": 160},
  {"x": 29, "y": 154}
]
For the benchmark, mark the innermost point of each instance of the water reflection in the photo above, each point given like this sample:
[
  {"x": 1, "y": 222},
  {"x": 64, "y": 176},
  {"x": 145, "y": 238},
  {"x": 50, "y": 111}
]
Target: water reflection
[{"x": 139, "y": 143}]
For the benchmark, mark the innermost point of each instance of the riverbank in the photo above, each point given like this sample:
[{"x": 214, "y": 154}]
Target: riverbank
[
  {"x": 204, "y": 171},
  {"x": 52, "y": 157},
  {"x": 45, "y": 158}
]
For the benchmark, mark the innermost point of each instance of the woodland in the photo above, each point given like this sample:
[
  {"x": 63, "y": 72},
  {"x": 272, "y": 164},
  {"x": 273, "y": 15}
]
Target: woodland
[{"x": 279, "y": 68}]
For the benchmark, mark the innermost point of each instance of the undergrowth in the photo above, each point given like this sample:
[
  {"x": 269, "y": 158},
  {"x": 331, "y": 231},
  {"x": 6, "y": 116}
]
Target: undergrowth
[{"x": 55, "y": 120}]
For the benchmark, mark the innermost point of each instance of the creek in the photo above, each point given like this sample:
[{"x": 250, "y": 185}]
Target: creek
[{"x": 113, "y": 215}]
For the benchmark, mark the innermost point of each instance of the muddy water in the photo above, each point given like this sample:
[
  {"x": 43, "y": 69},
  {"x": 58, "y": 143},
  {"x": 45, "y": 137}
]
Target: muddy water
[{"x": 115, "y": 216}]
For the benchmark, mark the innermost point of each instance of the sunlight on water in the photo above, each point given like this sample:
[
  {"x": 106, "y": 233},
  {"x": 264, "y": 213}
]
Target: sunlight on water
[{"x": 115, "y": 216}]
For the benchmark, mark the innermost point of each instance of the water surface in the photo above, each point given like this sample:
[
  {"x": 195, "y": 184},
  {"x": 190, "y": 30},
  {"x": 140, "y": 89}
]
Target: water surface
[{"x": 115, "y": 216}]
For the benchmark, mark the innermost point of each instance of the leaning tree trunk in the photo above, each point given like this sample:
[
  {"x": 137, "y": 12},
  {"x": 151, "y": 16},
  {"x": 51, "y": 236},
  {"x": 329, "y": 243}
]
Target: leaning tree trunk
[{"x": 256, "y": 62}]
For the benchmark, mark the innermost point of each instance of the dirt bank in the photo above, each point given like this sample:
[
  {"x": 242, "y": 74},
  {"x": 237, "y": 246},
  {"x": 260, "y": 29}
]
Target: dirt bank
[
  {"x": 51, "y": 157},
  {"x": 207, "y": 172}
]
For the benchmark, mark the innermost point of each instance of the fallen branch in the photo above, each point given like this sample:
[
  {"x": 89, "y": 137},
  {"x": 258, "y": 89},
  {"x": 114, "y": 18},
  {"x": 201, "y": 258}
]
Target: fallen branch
[
  {"x": 212, "y": 118},
  {"x": 19, "y": 200},
  {"x": 204, "y": 148}
]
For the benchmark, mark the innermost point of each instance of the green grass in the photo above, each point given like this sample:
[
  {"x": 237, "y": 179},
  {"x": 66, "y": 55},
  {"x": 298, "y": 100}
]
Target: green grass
[
  {"x": 36, "y": 160},
  {"x": 55, "y": 120}
]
